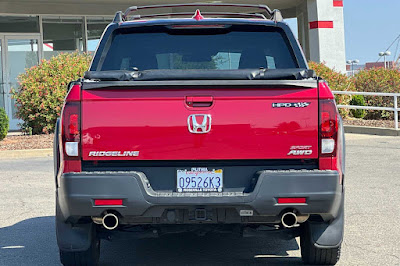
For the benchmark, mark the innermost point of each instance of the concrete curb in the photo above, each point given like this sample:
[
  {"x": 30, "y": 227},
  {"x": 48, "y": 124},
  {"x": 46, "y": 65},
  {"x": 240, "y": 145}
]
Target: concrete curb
[
  {"x": 372, "y": 131},
  {"x": 20, "y": 154}
]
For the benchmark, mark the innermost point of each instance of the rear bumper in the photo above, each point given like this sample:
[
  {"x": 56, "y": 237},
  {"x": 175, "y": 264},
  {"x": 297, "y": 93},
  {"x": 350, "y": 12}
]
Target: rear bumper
[{"x": 77, "y": 192}]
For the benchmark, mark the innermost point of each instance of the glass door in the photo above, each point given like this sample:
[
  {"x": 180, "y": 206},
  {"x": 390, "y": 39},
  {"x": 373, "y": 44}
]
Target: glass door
[
  {"x": 20, "y": 52},
  {"x": 2, "y": 100}
]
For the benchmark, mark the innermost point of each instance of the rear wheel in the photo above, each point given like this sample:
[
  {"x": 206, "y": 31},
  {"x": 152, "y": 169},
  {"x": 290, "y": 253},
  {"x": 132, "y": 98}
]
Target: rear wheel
[
  {"x": 82, "y": 258},
  {"x": 314, "y": 255},
  {"x": 89, "y": 257}
]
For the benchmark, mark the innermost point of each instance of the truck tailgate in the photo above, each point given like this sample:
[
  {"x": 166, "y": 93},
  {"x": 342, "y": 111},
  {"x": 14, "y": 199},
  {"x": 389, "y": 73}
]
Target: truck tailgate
[{"x": 153, "y": 123}]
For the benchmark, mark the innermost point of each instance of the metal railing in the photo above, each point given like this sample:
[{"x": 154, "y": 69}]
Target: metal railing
[{"x": 394, "y": 109}]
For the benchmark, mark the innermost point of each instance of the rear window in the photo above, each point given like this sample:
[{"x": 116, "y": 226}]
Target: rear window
[{"x": 218, "y": 49}]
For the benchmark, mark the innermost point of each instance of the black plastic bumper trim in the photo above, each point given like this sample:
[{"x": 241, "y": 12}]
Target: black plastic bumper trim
[{"x": 321, "y": 188}]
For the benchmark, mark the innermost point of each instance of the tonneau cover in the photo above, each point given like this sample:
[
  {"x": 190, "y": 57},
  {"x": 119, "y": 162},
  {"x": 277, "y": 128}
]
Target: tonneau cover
[{"x": 167, "y": 74}]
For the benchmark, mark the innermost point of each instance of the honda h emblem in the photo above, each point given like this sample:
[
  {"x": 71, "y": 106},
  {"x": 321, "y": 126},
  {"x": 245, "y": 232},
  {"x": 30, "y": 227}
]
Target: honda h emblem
[{"x": 199, "y": 124}]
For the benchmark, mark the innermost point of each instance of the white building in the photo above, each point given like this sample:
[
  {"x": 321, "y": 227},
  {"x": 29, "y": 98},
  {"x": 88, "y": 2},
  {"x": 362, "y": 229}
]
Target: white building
[{"x": 37, "y": 29}]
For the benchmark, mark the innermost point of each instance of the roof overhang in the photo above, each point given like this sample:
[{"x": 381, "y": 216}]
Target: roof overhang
[{"x": 108, "y": 8}]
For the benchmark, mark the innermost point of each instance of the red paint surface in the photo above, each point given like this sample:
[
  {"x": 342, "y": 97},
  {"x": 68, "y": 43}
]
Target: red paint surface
[
  {"x": 74, "y": 94},
  {"x": 324, "y": 91},
  {"x": 321, "y": 25},
  {"x": 71, "y": 166},
  {"x": 338, "y": 3},
  {"x": 154, "y": 122},
  {"x": 244, "y": 124}
]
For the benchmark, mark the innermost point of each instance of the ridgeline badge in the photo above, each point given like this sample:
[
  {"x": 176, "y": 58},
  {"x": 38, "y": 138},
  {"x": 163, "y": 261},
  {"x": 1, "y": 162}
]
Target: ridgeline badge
[{"x": 114, "y": 154}]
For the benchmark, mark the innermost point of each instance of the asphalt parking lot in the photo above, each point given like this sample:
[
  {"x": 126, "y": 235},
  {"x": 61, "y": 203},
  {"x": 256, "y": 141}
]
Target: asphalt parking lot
[{"x": 372, "y": 231}]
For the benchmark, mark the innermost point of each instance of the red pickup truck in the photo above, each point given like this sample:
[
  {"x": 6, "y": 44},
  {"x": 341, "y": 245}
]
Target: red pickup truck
[{"x": 206, "y": 123}]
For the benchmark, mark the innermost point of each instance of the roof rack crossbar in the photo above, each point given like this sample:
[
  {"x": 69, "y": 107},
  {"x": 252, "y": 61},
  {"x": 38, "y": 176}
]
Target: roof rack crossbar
[
  {"x": 240, "y": 15},
  {"x": 275, "y": 14}
]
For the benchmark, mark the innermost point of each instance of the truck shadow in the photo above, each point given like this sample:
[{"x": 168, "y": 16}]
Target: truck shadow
[
  {"x": 33, "y": 242},
  {"x": 29, "y": 242}
]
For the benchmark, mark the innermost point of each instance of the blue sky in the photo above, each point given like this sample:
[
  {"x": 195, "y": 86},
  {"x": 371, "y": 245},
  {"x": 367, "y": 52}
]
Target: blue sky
[{"x": 369, "y": 28}]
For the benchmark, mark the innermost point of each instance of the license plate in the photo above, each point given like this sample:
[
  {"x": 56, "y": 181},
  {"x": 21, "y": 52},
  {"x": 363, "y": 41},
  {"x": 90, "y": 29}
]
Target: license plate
[{"x": 199, "y": 180}]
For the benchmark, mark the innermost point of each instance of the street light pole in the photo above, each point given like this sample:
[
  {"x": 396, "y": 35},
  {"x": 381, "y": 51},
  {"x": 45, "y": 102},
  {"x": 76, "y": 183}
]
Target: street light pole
[
  {"x": 384, "y": 60},
  {"x": 352, "y": 63},
  {"x": 384, "y": 54}
]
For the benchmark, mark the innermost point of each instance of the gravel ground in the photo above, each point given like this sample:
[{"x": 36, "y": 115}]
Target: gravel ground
[{"x": 25, "y": 142}]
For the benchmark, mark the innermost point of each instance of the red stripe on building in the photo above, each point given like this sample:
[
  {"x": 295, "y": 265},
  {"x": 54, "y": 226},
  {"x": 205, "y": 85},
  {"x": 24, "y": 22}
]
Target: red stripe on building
[
  {"x": 48, "y": 45},
  {"x": 338, "y": 3},
  {"x": 321, "y": 25}
]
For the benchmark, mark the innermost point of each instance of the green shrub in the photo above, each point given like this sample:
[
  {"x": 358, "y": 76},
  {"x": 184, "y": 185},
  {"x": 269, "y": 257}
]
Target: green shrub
[
  {"x": 4, "y": 124},
  {"x": 359, "y": 101},
  {"x": 336, "y": 81},
  {"x": 378, "y": 80},
  {"x": 43, "y": 88}
]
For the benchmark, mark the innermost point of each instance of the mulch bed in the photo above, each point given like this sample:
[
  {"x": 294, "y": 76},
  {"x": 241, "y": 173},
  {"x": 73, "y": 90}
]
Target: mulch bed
[
  {"x": 369, "y": 123},
  {"x": 25, "y": 142}
]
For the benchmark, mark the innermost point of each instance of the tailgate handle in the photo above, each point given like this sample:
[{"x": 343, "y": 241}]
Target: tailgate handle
[{"x": 199, "y": 101}]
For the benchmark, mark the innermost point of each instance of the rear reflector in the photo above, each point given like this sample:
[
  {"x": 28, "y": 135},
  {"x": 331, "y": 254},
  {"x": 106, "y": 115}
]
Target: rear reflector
[
  {"x": 107, "y": 202},
  {"x": 291, "y": 200}
]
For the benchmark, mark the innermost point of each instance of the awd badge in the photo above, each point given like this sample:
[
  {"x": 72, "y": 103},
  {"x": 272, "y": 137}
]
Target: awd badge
[{"x": 300, "y": 151}]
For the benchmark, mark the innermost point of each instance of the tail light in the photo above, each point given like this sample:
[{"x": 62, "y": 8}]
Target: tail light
[
  {"x": 71, "y": 136},
  {"x": 71, "y": 129},
  {"x": 328, "y": 133}
]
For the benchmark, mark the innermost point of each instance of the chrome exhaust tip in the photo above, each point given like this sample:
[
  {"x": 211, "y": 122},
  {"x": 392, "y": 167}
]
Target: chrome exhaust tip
[
  {"x": 289, "y": 219},
  {"x": 110, "y": 221}
]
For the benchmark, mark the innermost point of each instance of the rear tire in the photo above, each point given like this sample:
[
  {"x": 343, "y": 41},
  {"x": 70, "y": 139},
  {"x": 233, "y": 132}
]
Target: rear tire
[
  {"x": 314, "y": 255},
  {"x": 89, "y": 257}
]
